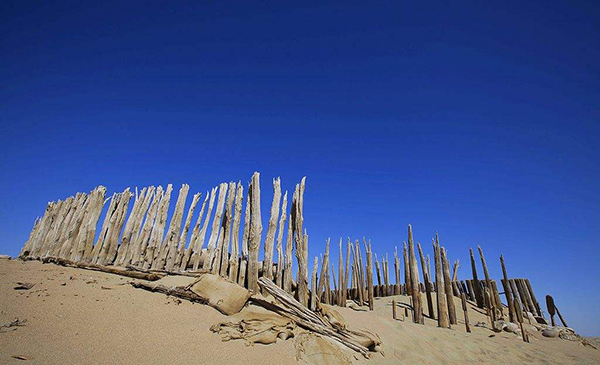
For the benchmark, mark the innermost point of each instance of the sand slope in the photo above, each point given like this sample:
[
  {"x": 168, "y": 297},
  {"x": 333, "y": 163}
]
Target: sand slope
[{"x": 84, "y": 317}]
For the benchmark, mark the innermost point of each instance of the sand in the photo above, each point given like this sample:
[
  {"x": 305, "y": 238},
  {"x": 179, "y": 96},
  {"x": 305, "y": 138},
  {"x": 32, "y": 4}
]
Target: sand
[{"x": 77, "y": 316}]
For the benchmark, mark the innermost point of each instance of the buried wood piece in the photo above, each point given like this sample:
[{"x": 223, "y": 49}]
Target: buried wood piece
[
  {"x": 414, "y": 279},
  {"x": 394, "y": 309},
  {"x": 280, "y": 257},
  {"x": 519, "y": 315},
  {"x": 426, "y": 279},
  {"x": 507, "y": 291},
  {"x": 551, "y": 308},
  {"x": 271, "y": 229},
  {"x": 255, "y": 232},
  {"x": 308, "y": 319},
  {"x": 448, "y": 286},
  {"x": 476, "y": 288},
  {"x": 108, "y": 269},
  {"x": 442, "y": 309},
  {"x": 463, "y": 299},
  {"x": 176, "y": 291}
]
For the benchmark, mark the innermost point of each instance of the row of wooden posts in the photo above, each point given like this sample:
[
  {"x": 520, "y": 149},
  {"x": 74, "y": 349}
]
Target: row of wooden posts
[{"x": 138, "y": 241}]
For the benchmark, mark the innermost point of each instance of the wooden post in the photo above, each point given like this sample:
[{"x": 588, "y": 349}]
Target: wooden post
[
  {"x": 414, "y": 279},
  {"x": 448, "y": 285},
  {"x": 507, "y": 291},
  {"x": 142, "y": 241},
  {"x": 346, "y": 274},
  {"x": 519, "y": 315},
  {"x": 184, "y": 233},
  {"x": 221, "y": 264},
  {"x": 323, "y": 276},
  {"x": 528, "y": 301},
  {"x": 442, "y": 309},
  {"x": 407, "y": 288},
  {"x": 214, "y": 232},
  {"x": 394, "y": 310},
  {"x": 168, "y": 249},
  {"x": 550, "y": 307},
  {"x": 463, "y": 298},
  {"x": 271, "y": 228},
  {"x": 234, "y": 259},
  {"x": 561, "y": 317},
  {"x": 340, "y": 295},
  {"x": 313, "y": 287},
  {"x": 280, "y": 257},
  {"x": 245, "y": 236},
  {"x": 195, "y": 232},
  {"x": 475, "y": 282},
  {"x": 454, "y": 279},
  {"x": 377, "y": 293},
  {"x": 255, "y": 234},
  {"x": 158, "y": 229},
  {"x": 386, "y": 274},
  {"x": 360, "y": 282},
  {"x": 536, "y": 304},
  {"x": 398, "y": 286},
  {"x": 301, "y": 244},
  {"x": 129, "y": 226},
  {"x": 370, "y": 276},
  {"x": 289, "y": 246},
  {"x": 199, "y": 243},
  {"x": 426, "y": 279}
]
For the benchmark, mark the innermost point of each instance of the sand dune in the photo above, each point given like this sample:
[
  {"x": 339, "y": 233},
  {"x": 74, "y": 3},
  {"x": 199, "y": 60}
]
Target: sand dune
[{"x": 76, "y": 316}]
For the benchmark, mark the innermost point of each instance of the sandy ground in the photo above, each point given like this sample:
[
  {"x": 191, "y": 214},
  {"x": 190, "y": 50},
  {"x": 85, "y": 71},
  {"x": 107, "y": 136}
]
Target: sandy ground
[{"x": 77, "y": 316}]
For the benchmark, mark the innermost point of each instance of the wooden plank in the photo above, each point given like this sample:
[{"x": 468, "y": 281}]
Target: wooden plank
[
  {"x": 115, "y": 231},
  {"x": 280, "y": 257},
  {"x": 102, "y": 237},
  {"x": 255, "y": 233},
  {"x": 89, "y": 230}
]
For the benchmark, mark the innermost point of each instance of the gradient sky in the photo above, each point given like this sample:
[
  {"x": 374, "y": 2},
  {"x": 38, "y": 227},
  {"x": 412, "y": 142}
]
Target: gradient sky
[{"x": 476, "y": 119}]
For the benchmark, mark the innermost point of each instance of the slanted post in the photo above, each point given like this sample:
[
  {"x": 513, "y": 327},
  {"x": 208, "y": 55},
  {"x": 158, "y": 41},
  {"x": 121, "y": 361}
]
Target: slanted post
[
  {"x": 255, "y": 232},
  {"x": 448, "y": 285},
  {"x": 414, "y": 280},
  {"x": 463, "y": 299},
  {"x": 442, "y": 309},
  {"x": 476, "y": 287},
  {"x": 551, "y": 308},
  {"x": 428, "y": 290}
]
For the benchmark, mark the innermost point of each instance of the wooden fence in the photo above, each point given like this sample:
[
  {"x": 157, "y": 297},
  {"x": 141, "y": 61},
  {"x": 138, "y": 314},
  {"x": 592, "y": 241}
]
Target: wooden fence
[{"x": 144, "y": 243}]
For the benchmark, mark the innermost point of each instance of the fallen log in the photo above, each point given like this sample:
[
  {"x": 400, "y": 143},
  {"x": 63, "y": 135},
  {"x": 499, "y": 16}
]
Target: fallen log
[
  {"x": 176, "y": 291},
  {"x": 150, "y": 276}
]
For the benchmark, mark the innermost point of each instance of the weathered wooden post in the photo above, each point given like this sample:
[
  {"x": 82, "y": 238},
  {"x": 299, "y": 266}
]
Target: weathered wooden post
[
  {"x": 426, "y": 278},
  {"x": 313, "y": 285},
  {"x": 323, "y": 276},
  {"x": 536, "y": 304},
  {"x": 346, "y": 274},
  {"x": 245, "y": 237},
  {"x": 394, "y": 309},
  {"x": 447, "y": 284},
  {"x": 398, "y": 286},
  {"x": 463, "y": 298},
  {"x": 407, "y": 288},
  {"x": 442, "y": 309},
  {"x": 370, "y": 276},
  {"x": 234, "y": 259},
  {"x": 214, "y": 233},
  {"x": 475, "y": 282},
  {"x": 301, "y": 244},
  {"x": 199, "y": 242},
  {"x": 488, "y": 282},
  {"x": 271, "y": 228},
  {"x": 414, "y": 280},
  {"x": 551, "y": 310},
  {"x": 223, "y": 252},
  {"x": 519, "y": 315},
  {"x": 280, "y": 257},
  {"x": 255, "y": 233},
  {"x": 507, "y": 291}
]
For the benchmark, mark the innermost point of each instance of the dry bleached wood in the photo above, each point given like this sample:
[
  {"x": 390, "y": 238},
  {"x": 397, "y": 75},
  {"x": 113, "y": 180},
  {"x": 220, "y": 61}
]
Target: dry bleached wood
[
  {"x": 442, "y": 309},
  {"x": 271, "y": 228},
  {"x": 177, "y": 291},
  {"x": 308, "y": 319},
  {"x": 183, "y": 237},
  {"x": 414, "y": 280},
  {"x": 234, "y": 262},
  {"x": 214, "y": 233},
  {"x": 255, "y": 232},
  {"x": 426, "y": 279},
  {"x": 448, "y": 287},
  {"x": 108, "y": 269},
  {"x": 245, "y": 236},
  {"x": 158, "y": 229},
  {"x": 301, "y": 242},
  {"x": 222, "y": 261},
  {"x": 195, "y": 232},
  {"x": 199, "y": 244},
  {"x": 323, "y": 276}
]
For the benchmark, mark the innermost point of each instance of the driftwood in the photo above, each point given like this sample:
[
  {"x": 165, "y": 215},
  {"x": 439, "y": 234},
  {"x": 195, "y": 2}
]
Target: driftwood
[
  {"x": 426, "y": 279},
  {"x": 280, "y": 254},
  {"x": 301, "y": 242},
  {"x": 214, "y": 233},
  {"x": 448, "y": 286},
  {"x": 221, "y": 265},
  {"x": 271, "y": 229},
  {"x": 369, "y": 253},
  {"x": 310, "y": 320},
  {"x": 108, "y": 269},
  {"x": 176, "y": 291},
  {"x": 519, "y": 315},
  {"x": 507, "y": 291},
  {"x": 255, "y": 232},
  {"x": 199, "y": 243},
  {"x": 195, "y": 231},
  {"x": 235, "y": 238},
  {"x": 342, "y": 285},
  {"x": 245, "y": 236},
  {"x": 407, "y": 286},
  {"x": 463, "y": 299},
  {"x": 476, "y": 288}
]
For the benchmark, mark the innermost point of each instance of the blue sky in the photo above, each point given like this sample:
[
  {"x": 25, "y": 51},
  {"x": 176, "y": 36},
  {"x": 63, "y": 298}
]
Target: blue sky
[{"x": 479, "y": 120}]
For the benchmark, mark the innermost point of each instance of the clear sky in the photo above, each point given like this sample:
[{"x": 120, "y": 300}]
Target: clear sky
[{"x": 477, "y": 119}]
